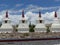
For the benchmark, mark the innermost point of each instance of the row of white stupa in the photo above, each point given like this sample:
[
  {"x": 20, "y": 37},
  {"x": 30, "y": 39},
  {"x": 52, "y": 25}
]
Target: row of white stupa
[{"x": 24, "y": 27}]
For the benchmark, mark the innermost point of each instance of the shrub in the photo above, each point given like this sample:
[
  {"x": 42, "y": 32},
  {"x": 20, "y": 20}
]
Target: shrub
[
  {"x": 48, "y": 30},
  {"x": 31, "y": 28}
]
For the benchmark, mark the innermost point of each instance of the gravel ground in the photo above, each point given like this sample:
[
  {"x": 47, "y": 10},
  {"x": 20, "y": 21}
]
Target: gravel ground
[{"x": 27, "y": 35}]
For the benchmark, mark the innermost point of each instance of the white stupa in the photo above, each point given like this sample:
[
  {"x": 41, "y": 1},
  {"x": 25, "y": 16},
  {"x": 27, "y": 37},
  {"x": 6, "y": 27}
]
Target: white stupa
[
  {"x": 23, "y": 25},
  {"x": 6, "y": 26},
  {"x": 40, "y": 26},
  {"x": 56, "y": 24}
]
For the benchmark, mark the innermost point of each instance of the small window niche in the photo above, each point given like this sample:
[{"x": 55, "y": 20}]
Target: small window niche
[
  {"x": 23, "y": 21},
  {"x": 40, "y": 21},
  {"x": 6, "y": 21}
]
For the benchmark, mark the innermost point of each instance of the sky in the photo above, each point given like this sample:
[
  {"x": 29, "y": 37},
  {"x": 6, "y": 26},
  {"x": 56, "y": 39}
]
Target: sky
[
  {"x": 27, "y": 5},
  {"x": 31, "y": 8}
]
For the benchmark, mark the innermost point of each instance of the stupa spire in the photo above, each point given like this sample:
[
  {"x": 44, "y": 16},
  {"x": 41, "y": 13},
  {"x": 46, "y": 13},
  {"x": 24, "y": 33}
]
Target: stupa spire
[
  {"x": 23, "y": 13},
  {"x": 55, "y": 15},
  {"x": 6, "y": 14},
  {"x": 39, "y": 14}
]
